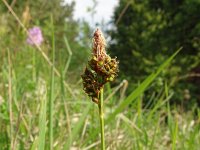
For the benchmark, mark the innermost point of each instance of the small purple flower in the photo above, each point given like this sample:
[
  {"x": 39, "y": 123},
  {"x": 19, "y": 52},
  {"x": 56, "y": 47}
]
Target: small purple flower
[{"x": 35, "y": 36}]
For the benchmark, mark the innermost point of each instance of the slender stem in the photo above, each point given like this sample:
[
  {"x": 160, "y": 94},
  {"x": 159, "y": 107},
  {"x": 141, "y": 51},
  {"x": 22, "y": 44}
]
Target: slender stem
[
  {"x": 34, "y": 65},
  {"x": 51, "y": 103},
  {"x": 101, "y": 117},
  {"x": 10, "y": 99}
]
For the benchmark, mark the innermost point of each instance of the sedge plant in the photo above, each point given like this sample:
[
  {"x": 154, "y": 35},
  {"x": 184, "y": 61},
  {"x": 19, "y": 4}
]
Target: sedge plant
[{"x": 101, "y": 68}]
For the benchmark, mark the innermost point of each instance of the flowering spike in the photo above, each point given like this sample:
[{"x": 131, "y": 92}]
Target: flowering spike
[
  {"x": 101, "y": 68},
  {"x": 99, "y": 44}
]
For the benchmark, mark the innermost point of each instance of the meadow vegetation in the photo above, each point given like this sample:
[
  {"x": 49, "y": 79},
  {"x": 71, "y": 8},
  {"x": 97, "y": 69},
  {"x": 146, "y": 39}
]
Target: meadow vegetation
[{"x": 152, "y": 104}]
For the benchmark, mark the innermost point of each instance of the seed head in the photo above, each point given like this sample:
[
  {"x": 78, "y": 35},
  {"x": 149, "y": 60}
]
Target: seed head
[
  {"x": 99, "y": 44},
  {"x": 101, "y": 68}
]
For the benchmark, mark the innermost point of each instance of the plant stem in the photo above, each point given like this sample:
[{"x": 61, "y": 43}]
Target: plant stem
[
  {"x": 51, "y": 100},
  {"x": 101, "y": 117},
  {"x": 34, "y": 64},
  {"x": 10, "y": 99}
]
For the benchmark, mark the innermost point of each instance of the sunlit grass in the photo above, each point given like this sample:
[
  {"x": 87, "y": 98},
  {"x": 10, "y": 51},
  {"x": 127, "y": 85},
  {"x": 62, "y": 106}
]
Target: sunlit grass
[
  {"x": 38, "y": 110},
  {"x": 128, "y": 124}
]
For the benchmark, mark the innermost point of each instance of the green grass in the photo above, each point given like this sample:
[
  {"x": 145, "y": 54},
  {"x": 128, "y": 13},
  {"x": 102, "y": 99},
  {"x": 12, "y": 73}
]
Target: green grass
[
  {"x": 39, "y": 109},
  {"x": 69, "y": 122}
]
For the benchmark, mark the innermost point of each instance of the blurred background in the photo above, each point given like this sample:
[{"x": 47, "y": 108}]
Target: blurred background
[{"x": 142, "y": 34}]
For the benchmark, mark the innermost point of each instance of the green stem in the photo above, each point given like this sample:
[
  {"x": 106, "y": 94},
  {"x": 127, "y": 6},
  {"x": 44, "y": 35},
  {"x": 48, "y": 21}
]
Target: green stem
[
  {"x": 51, "y": 100},
  {"x": 101, "y": 117},
  {"x": 34, "y": 64}
]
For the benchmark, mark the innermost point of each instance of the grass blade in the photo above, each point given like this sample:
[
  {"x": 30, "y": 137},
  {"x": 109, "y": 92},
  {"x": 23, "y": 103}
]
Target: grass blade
[
  {"x": 42, "y": 118},
  {"x": 141, "y": 88},
  {"x": 70, "y": 55}
]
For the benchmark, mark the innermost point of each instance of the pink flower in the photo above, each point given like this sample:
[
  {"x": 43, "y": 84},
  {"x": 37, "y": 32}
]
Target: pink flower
[{"x": 35, "y": 36}]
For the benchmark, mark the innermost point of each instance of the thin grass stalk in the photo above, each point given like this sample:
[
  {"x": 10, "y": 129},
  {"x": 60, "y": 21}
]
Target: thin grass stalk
[
  {"x": 70, "y": 55},
  {"x": 51, "y": 99},
  {"x": 101, "y": 118},
  {"x": 10, "y": 100},
  {"x": 65, "y": 106},
  {"x": 63, "y": 74},
  {"x": 34, "y": 65}
]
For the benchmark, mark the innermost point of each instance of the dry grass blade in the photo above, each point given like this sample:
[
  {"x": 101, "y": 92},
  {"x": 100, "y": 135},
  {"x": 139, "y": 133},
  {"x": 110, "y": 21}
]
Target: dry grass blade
[
  {"x": 92, "y": 145},
  {"x": 123, "y": 12},
  {"x": 19, "y": 119},
  {"x": 132, "y": 124},
  {"x": 124, "y": 82}
]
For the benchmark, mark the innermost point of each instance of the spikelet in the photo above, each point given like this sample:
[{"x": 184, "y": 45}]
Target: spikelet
[{"x": 101, "y": 68}]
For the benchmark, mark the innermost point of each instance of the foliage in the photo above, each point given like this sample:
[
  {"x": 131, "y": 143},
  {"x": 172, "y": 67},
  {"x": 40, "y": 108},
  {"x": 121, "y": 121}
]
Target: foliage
[
  {"x": 38, "y": 13},
  {"x": 150, "y": 31}
]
